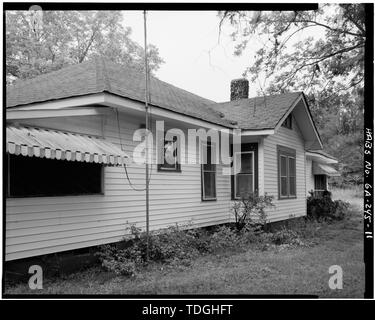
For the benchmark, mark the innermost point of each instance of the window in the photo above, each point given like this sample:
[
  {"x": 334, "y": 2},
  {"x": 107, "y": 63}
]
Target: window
[
  {"x": 208, "y": 168},
  {"x": 288, "y": 122},
  {"x": 320, "y": 182},
  {"x": 169, "y": 161},
  {"x": 38, "y": 177},
  {"x": 244, "y": 179},
  {"x": 286, "y": 172}
]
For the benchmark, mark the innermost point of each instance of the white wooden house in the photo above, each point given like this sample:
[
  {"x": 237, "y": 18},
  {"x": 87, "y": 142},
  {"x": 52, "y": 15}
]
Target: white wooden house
[{"x": 70, "y": 132}]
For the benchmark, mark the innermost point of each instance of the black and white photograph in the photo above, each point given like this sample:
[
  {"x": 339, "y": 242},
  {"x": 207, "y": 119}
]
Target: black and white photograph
[{"x": 154, "y": 150}]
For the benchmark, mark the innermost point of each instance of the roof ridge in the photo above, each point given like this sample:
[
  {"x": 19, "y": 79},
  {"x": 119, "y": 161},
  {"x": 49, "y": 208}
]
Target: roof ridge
[{"x": 258, "y": 97}]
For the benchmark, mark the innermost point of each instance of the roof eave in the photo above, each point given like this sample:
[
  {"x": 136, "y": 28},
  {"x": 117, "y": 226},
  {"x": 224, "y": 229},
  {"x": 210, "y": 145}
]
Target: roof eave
[{"x": 323, "y": 158}]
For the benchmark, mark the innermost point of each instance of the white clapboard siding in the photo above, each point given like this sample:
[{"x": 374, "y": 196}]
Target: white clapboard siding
[
  {"x": 43, "y": 225},
  {"x": 285, "y": 208}
]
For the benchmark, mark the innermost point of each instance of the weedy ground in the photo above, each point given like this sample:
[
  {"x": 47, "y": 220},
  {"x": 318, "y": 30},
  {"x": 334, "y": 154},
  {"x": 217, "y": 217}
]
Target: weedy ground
[{"x": 268, "y": 270}]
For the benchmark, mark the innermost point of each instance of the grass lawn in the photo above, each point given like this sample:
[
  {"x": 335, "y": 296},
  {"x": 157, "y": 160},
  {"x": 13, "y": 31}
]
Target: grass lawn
[{"x": 297, "y": 270}]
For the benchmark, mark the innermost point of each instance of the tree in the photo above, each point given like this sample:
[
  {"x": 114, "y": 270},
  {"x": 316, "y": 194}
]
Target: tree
[
  {"x": 327, "y": 65},
  {"x": 316, "y": 63},
  {"x": 67, "y": 37}
]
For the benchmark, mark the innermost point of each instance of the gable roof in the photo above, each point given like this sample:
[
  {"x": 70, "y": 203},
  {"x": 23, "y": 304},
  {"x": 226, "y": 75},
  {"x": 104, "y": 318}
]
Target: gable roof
[{"x": 100, "y": 75}]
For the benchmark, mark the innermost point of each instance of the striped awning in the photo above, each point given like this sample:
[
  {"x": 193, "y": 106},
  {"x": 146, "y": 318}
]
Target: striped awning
[
  {"x": 54, "y": 144},
  {"x": 319, "y": 168}
]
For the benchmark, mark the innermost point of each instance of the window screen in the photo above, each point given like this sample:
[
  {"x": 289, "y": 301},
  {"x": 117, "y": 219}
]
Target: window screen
[{"x": 37, "y": 177}]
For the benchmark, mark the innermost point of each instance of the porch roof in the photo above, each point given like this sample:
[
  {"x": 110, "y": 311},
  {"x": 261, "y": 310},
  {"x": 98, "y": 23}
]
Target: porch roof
[{"x": 319, "y": 168}]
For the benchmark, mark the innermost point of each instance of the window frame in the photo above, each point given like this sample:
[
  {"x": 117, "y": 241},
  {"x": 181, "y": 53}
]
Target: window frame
[
  {"x": 203, "y": 196},
  {"x": 10, "y": 196},
  {"x": 287, "y": 153},
  {"x": 177, "y": 167},
  {"x": 236, "y": 175}
]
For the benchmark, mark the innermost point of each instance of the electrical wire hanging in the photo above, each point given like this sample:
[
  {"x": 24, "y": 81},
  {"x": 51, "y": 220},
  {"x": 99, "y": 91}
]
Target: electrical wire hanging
[{"x": 131, "y": 184}]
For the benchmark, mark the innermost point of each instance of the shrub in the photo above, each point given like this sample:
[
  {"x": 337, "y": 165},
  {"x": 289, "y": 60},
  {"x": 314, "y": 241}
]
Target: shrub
[
  {"x": 250, "y": 212},
  {"x": 285, "y": 236},
  {"x": 224, "y": 237},
  {"x": 171, "y": 246},
  {"x": 325, "y": 207},
  {"x": 121, "y": 265},
  {"x": 341, "y": 209}
]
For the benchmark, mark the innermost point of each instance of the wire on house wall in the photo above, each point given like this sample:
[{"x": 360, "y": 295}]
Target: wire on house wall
[{"x": 131, "y": 184}]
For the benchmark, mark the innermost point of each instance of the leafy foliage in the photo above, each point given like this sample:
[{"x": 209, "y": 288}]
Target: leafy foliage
[
  {"x": 339, "y": 53},
  {"x": 321, "y": 53},
  {"x": 45, "y": 41},
  {"x": 324, "y": 207},
  {"x": 286, "y": 236},
  {"x": 170, "y": 246},
  {"x": 250, "y": 211}
]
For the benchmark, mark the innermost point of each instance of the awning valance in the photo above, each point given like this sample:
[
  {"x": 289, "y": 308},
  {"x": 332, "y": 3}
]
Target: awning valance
[
  {"x": 54, "y": 144},
  {"x": 319, "y": 168}
]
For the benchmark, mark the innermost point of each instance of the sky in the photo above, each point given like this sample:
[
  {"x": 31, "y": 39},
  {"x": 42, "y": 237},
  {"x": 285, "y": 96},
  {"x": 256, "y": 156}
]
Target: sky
[{"x": 194, "y": 58}]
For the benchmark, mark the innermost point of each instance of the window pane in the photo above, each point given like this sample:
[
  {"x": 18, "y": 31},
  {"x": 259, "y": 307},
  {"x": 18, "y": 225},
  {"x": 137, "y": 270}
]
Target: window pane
[
  {"x": 292, "y": 186},
  {"x": 283, "y": 166},
  {"x": 292, "y": 167},
  {"x": 244, "y": 185},
  {"x": 247, "y": 163},
  {"x": 244, "y": 163},
  {"x": 283, "y": 183},
  {"x": 209, "y": 185},
  {"x": 170, "y": 155},
  {"x": 208, "y": 164}
]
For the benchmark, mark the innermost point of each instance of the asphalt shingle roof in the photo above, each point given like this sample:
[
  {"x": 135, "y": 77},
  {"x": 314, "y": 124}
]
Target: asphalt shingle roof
[
  {"x": 258, "y": 113},
  {"x": 101, "y": 75}
]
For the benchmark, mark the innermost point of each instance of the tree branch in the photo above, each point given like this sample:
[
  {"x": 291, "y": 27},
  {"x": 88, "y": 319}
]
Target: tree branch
[
  {"x": 330, "y": 28},
  {"x": 83, "y": 56}
]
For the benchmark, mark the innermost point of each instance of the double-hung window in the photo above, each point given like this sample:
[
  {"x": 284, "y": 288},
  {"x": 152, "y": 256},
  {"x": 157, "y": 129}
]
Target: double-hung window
[
  {"x": 244, "y": 174},
  {"x": 286, "y": 158},
  {"x": 208, "y": 168}
]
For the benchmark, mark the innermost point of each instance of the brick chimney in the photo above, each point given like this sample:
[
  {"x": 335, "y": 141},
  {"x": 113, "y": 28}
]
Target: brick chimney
[{"x": 239, "y": 89}]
